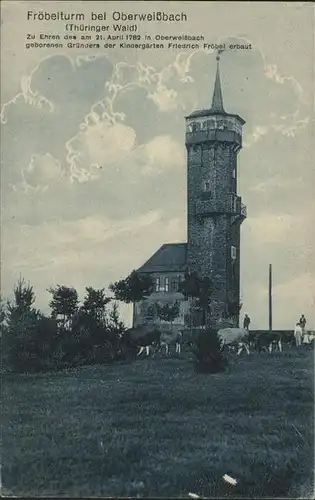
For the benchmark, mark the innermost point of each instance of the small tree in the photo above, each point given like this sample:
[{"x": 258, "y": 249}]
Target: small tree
[
  {"x": 64, "y": 303},
  {"x": 168, "y": 312},
  {"x": 208, "y": 352},
  {"x": 23, "y": 337},
  {"x": 95, "y": 302},
  {"x": 132, "y": 289},
  {"x": 115, "y": 324},
  {"x": 200, "y": 290},
  {"x": 24, "y": 298}
]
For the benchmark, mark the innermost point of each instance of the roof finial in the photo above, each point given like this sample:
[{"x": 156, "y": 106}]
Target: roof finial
[{"x": 217, "y": 100}]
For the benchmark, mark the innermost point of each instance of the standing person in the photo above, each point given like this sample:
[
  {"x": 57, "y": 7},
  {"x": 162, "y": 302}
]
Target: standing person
[
  {"x": 246, "y": 322},
  {"x": 298, "y": 334},
  {"x": 302, "y": 323}
]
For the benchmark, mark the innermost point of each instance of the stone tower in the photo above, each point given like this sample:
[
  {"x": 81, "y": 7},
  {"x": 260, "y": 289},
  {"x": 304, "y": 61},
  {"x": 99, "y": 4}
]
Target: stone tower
[{"x": 215, "y": 211}]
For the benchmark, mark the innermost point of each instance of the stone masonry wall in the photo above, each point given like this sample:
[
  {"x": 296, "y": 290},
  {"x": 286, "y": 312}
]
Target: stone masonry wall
[{"x": 210, "y": 237}]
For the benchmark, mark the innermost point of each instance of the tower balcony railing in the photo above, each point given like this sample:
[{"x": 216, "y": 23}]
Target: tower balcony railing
[
  {"x": 214, "y": 135},
  {"x": 229, "y": 204}
]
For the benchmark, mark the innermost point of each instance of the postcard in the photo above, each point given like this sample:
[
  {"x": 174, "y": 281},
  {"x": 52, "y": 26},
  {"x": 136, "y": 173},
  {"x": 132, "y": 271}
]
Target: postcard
[{"x": 158, "y": 273}]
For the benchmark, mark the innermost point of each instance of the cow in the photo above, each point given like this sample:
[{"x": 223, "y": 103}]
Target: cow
[
  {"x": 145, "y": 348},
  {"x": 151, "y": 338},
  {"x": 269, "y": 341},
  {"x": 171, "y": 338},
  {"x": 142, "y": 338},
  {"x": 234, "y": 338}
]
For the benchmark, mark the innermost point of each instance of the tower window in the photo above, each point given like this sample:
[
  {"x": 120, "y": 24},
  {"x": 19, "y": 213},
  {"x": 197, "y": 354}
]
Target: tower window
[
  {"x": 234, "y": 173},
  {"x": 206, "y": 186},
  {"x": 233, "y": 253}
]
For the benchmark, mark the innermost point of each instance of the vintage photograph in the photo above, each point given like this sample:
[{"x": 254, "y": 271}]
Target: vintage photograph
[{"x": 157, "y": 253}]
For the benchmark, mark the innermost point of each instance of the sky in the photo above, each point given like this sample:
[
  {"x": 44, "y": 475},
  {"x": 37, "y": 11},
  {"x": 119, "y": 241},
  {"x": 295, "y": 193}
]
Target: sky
[{"x": 93, "y": 160}]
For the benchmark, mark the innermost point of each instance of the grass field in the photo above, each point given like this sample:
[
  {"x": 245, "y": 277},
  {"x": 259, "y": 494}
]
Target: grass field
[{"x": 155, "y": 428}]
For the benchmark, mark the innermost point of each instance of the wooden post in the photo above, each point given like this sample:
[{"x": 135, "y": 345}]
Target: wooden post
[{"x": 270, "y": 298}]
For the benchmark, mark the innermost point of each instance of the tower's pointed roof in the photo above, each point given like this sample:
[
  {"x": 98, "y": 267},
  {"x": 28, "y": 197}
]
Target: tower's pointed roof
[{"x": 217, "y": 100}]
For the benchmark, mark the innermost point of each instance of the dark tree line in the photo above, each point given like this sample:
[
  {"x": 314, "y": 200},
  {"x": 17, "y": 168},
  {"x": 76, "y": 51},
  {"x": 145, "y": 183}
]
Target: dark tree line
[
  {"x": 88, "y": 331},
  {"x": 72, "y": 334}
]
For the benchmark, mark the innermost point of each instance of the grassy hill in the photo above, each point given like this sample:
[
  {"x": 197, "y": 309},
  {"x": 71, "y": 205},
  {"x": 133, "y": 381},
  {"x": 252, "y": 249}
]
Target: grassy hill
[{"x": 155, "y": 428}]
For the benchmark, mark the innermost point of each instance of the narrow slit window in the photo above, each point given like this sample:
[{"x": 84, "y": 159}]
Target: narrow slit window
[{"x": 233, "y": 252}]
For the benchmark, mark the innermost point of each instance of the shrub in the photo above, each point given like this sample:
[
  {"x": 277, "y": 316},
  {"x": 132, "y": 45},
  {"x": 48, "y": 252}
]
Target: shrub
[
  {"x": 208, "y": 353},
  {"x": 28, "y": 342}
]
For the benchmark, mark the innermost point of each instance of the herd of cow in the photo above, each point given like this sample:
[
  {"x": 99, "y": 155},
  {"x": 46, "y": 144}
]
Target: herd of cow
[{"x": 150, "y": 340}]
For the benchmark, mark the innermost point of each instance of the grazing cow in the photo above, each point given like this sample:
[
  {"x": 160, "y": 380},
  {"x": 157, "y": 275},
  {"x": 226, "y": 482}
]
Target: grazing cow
[
  {"x": 145, "y": 348},
  {"x": 268, "y": 342},
  {"x": 235, "y": 338},
  {"x": 150, "y": 338},
  {"x": 171, "y": 338},
  {"x": 145, "y": 337}
]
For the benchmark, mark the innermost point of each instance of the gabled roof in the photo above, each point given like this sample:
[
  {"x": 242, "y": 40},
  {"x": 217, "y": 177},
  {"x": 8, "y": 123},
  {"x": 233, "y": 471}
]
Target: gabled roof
[{"x": 171, "y": 257}]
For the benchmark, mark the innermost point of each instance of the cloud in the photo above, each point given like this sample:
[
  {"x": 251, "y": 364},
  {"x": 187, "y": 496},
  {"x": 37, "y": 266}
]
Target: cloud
[
  {"x": 28, "y": 96},
  {"x": 258, "y": 132},
  {"x": 278, "y": 182},
  {"x": 106, "y": 143},
  {"x": 300, "y": 293},
  {"x": 164, "y": 98},
  {"x": 160, "y": 154},
  {"x": 100, "y": 146},
  {"x": 42, "y": 172},
  {"x": 284, "y": 235}
]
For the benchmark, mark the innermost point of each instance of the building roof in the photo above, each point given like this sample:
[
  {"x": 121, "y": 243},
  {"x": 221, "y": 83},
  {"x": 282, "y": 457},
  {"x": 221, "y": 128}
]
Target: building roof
[
  {"x": 210, "y": 111},
  {"x": 171, "y": 257},
  {"x": 217, "y": 101}
]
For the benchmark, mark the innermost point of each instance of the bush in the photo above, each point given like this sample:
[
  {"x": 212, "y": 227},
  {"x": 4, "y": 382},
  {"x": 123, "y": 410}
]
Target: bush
[
  {"x": 28, "y": 343},
  {"x": 208, "y": 353}
]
